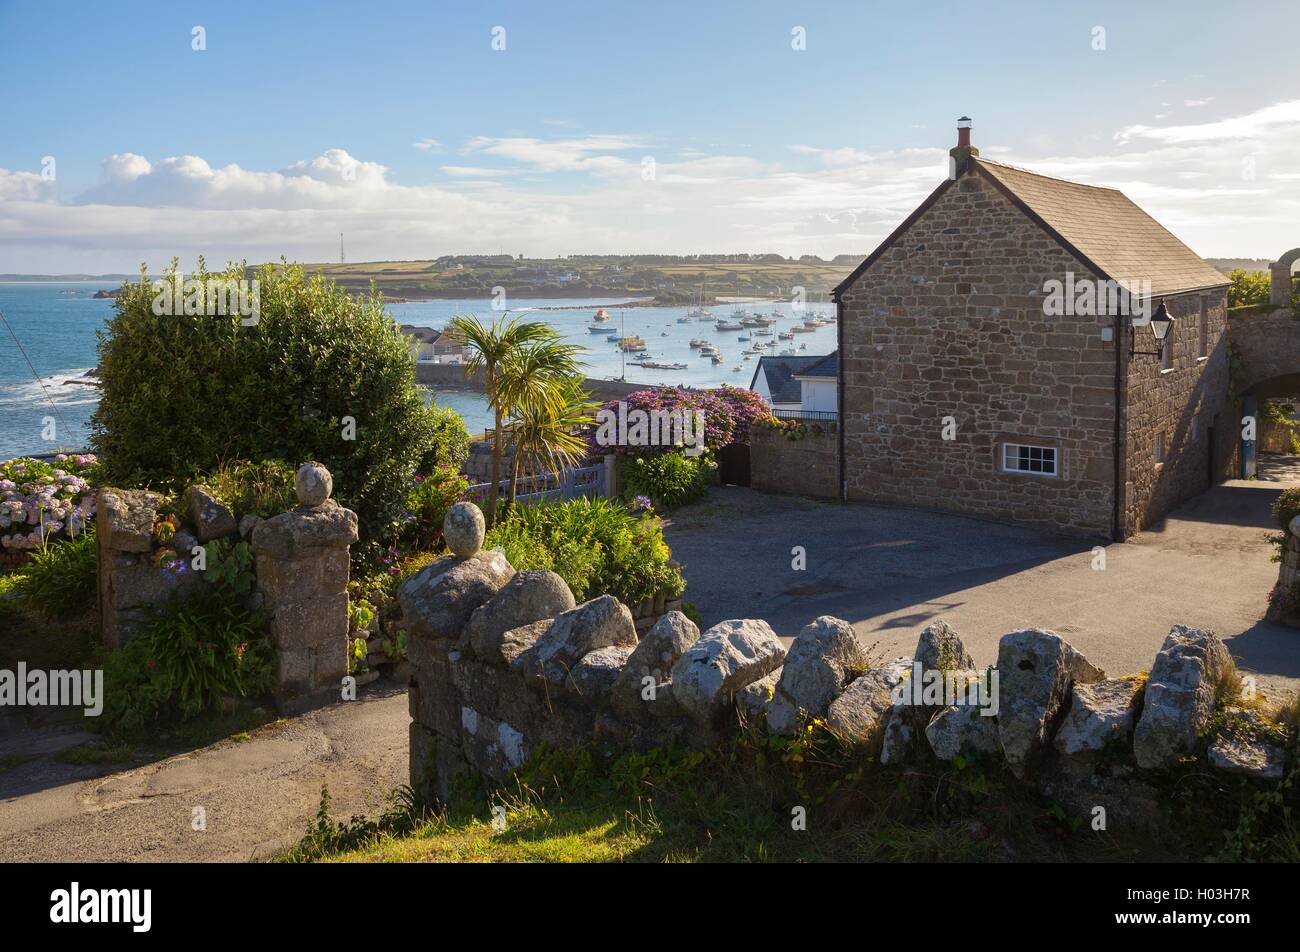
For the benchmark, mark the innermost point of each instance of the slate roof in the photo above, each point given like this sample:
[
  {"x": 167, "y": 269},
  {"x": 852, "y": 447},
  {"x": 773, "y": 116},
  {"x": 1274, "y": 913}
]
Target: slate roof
[
  {"x": 430, "y": 334},
  {"x": 1112, "y": 232},
  {"x": 780, "y": 372},
  {"x": 828, "y": 366},
  {"x": 1100, "y": 226}
]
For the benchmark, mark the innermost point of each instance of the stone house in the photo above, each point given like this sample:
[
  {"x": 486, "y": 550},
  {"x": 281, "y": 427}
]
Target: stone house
[
  {"x": 431, "y": 343},
  {"x": 999, "y": 357}
]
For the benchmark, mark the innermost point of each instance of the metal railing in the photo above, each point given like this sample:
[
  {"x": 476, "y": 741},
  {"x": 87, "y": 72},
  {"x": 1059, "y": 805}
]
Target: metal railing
[
  {"x": 549, "y": 487},
  {"x": 808, "y": 416}
]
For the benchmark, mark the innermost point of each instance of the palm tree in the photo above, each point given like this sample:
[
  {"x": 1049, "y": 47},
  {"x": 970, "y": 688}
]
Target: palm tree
[
  {"x": 502, "y": 350},
  {"x": 545, "y": 435}
]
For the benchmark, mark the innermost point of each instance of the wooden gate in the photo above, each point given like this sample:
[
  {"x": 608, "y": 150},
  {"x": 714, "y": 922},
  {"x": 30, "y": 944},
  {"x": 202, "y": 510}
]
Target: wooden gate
[{"x": 733, "y": 464}]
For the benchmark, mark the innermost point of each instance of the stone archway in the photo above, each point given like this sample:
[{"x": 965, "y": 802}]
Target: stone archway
[{"x": 1280, "y": 295}]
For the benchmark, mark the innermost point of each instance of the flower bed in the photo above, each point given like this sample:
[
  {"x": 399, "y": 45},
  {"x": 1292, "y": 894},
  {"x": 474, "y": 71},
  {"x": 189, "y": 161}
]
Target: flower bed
[{"x": 41, "y": 502}]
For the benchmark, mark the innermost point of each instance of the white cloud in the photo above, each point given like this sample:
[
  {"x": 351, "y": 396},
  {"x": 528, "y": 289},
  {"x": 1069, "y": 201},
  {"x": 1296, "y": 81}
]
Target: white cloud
[
  {"x": 427, "y": 145},
  {"x": 1252, "y": 125},
  {"x": 1226, "y": 187},
  {"x": 24, "y": 187}
]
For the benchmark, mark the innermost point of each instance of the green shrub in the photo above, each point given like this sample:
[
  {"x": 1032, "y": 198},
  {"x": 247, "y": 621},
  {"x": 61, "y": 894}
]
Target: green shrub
[
  {"x": 670, "y": 479},
  {"x": 180, "y": 395},
  {"x": 427, "y": 503},
  {"x": 263, "y": 488},
  {"x": 59, "y": 579},
  {"x": 192, "y": 652},
  {"x": 599, "y": 547},
  {"x": 1248, "y": 287},
  {"x": 1286, "y": 507}
]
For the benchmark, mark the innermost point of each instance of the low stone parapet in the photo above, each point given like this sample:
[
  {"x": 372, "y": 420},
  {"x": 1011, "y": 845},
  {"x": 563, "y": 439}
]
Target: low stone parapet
[{"x": 503, "y": 668}]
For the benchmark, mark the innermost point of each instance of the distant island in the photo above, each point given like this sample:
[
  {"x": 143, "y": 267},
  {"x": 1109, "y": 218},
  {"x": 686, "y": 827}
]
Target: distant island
[
  {"x": 647, "y": 279},
  {"x": 631, "y": 280}
]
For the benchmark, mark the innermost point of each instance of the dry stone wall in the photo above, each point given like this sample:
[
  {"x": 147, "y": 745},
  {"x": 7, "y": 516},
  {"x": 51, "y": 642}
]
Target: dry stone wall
[{"x": 505, "y": 663}]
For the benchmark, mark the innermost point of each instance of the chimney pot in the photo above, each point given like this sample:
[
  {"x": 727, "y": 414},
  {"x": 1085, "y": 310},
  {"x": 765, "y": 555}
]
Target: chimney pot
[{"x": 963, "y": 132}]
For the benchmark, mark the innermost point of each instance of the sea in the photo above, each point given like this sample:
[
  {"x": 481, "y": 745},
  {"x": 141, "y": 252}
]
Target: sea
[{"x": 48, "y": 343}]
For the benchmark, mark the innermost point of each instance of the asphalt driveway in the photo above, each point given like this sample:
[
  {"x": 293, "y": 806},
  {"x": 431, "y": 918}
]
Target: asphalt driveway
[{"x": 891, "y": 571}]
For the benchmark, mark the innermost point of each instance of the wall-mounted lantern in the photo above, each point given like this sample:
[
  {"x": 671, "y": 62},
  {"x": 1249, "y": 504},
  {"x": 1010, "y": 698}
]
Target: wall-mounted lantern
[{"x": 1161, "y": 322}]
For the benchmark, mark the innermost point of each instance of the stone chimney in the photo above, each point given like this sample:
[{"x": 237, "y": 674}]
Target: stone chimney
[{"x": 957, "y": 158}]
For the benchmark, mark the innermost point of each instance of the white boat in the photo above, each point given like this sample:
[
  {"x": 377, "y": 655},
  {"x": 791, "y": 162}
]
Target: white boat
[
  {"x": 697, "y": 343},
  {"x": 729, "y": 326},
  {"x": 685, "y": 320}
]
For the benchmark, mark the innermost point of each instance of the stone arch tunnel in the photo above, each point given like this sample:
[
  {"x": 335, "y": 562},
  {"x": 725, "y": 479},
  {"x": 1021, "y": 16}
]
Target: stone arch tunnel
[{"x": 1266, "y": 351}]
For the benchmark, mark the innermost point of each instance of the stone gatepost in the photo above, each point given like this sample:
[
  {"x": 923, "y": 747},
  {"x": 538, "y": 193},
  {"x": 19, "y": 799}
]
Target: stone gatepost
[
  {"x": 302, "y": 576},
  {"x": 128, "y": 580},
  {"x": 1288, "y": 576}
]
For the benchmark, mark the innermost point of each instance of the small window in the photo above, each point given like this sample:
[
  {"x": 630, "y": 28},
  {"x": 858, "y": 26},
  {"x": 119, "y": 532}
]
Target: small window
[
  {"x": 1205, "y": 327},
  {"x": 1167, "y": 351},
  {"x": 1019, "y": 458},
  {"x": 1160, "y": 447},
  {"x": 1196, "y": 427}
]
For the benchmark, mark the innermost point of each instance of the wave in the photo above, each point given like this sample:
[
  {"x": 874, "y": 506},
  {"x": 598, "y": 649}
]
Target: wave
[{"x": 56, "y": 387}]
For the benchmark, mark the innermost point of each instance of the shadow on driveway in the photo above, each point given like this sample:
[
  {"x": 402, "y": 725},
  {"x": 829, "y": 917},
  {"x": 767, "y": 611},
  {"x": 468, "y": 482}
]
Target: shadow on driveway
[{"x": 892, "y": 571}]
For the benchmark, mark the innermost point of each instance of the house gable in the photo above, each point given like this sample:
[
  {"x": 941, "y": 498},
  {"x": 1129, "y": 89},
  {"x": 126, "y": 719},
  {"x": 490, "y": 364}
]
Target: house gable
[{"x": 1105, "y": 231}]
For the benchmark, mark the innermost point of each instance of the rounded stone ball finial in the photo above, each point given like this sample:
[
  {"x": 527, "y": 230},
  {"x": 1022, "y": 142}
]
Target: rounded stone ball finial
[
  {"x": 463, "y": 529},
  {"x": 313, "y": 484},
  {"x": 1295, "y": 526}
]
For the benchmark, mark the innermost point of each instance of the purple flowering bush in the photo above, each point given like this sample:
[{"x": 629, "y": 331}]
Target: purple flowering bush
[
  {"x": 729, "y": 413},
  {"x": 42, "y": 502}
]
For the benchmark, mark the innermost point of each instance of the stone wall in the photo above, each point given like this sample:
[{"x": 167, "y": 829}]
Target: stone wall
[
  {"x": 301, "y": 561},
  {"x": 1267, "y": 345},
  {"x": 808, "y": 466},
  {"x": 506, "y": 663},
  {"x": 129, "y": 579},
  {"x": 1183, "y": 402},
  {"x": 949, "y": 322},
  {"x": 1284, "y": 601}
]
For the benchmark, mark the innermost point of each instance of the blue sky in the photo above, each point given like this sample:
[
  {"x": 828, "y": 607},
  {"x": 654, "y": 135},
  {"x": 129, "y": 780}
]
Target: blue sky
[{"x": 399, "y": 124}]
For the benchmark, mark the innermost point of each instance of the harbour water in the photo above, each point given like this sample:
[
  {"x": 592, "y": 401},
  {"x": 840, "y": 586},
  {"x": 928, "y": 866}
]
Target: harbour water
[{"x": 56, "y": 323}]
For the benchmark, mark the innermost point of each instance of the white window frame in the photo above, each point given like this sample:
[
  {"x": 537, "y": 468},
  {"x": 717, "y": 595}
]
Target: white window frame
[{"x": 1009, "y": 448}]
